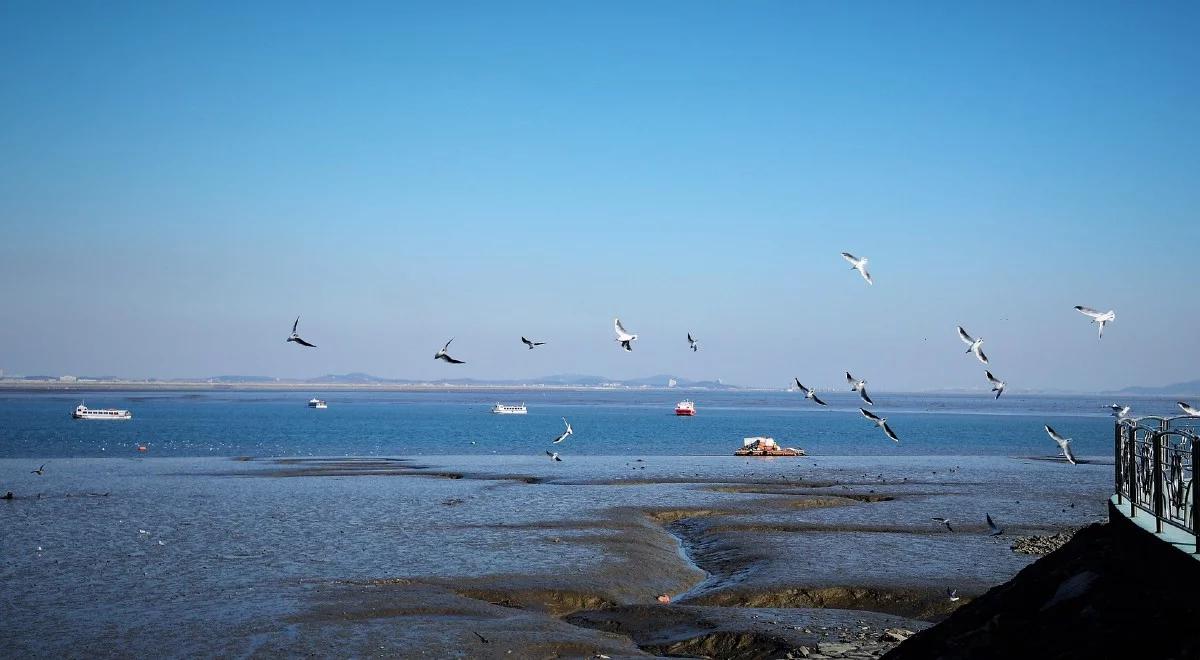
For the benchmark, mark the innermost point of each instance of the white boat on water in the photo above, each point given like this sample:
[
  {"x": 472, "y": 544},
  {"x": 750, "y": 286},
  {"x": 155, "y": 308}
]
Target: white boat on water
[
  {"x": 83, "y": 412},
  {"x": 501, "y": 409},
  {"x": 318, "y": 404}
]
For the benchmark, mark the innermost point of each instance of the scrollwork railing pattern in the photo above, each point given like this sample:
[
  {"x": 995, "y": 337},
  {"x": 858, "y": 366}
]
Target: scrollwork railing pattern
[{"x": 1155, "y": 460}]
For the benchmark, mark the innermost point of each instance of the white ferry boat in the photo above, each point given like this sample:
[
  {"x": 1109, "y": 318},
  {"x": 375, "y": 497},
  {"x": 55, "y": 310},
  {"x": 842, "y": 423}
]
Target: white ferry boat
[
  {"x": 83, "y": 412},
  {"x": 317, "y": 403},
  {"x": 501, "y": 409},
  {"x": 685, "y": 408}
]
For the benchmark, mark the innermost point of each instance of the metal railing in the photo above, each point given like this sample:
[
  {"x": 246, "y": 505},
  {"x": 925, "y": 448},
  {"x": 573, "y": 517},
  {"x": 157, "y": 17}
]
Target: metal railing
[{"x": 1155, "y": 457}]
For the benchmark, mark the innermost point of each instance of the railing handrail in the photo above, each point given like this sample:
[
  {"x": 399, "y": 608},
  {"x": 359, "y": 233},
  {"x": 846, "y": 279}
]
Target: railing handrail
[{"x": 1167, "y": 492}]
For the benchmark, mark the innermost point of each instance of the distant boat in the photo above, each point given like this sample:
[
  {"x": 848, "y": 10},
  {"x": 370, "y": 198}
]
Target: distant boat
[
  {"x": 685, "y": 408},
  {"x": 501, "y": 409},
  {"x": 319, "y": 404},
  {"x": 760, "y": 446},
  {"x": 83, "y": 412},
  {"x": 671, "y": 382}
]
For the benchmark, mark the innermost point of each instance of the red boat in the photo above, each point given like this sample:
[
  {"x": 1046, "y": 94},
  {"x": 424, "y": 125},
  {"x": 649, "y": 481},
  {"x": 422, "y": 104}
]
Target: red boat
[{"x": 685, "y": 408}]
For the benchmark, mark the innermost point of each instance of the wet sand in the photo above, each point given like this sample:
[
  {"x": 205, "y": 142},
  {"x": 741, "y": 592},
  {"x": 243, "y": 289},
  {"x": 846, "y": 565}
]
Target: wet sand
[{"x": 425, "y": 556}]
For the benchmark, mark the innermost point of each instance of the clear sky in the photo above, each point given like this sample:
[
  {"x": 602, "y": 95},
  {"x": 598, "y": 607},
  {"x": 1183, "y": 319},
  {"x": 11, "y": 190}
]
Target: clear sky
[{"x": 179, "y": 180}]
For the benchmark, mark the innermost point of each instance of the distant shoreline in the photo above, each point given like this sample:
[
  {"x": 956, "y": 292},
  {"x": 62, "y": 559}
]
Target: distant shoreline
[{"x": 57, "y": 386}]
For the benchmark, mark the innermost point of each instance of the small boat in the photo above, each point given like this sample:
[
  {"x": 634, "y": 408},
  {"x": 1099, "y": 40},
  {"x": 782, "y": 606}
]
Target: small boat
[
  {"x": 319, "y": 404},
  {"x": 685, "y": 408},
  {"x": 83, "y": 412},
  {"x": 501, "y": 409},
  {"x": 760, "y": 446}
]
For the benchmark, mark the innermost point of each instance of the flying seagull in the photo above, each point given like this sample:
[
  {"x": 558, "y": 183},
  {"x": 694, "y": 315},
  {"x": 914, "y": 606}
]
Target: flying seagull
[
  {"x": 973, "y": 345},
  {"x": 881, "y": 422},
  {"x": 1188, "y": 410},
  {"x": 553, "y": 456},
  {"x": 952, "y": 594},
  {"x": 692, "y": 343},
  {"x": 483, "y": 639},
  {"x": 624, "y": 338},
  {"x": 1099, "y": 318},
  {"x": 996, "y": 531},
  {"x": 565, "y": 434},
  {"x": 444, "y": 356},
  {"x": 997, "y": 384},
  {"x": 40, "y": 471},
  {"x": 859, "y": 386},
  {"x": 531, "y": 344},
  {"x": 296, "y": 338},
  {"x": 944, "y": 521},
  {"x": 858, "y": 264},
  {"x": 1119, "y": 411},
  {"x": 1063, "y": 443},
  {"x": 810, "y": 393}
]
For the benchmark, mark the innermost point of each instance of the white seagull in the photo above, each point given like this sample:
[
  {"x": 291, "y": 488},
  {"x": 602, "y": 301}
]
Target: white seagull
[
  {"x": 1063, "y": 443},
  {"x": 1119, "y": 411},
  {"x": 973, "y": 345},
  {"x": 810, "y": 393},
  {"x": 858, "y": 264},
  {"x": 444, "y": 356},
  {"x": 881, "y": 422},
  {"x": 996, "y": 530},
  {"x": 1099, "y": 318},
  {"x": 944, "y": 521},
  {"x": 565, "y": 434},
  {"x": 859, "y": 386},
  {"x": 531, "y": 344},
  {"x": 953, "y": 594},
  {"x": 296, "y": 338},
  {"x": 1188, "y": 410},
  {"x": 40, "y": 471},
  {"x": 692, "y": 343},
  {"x": 623, "y": 337},
  {"x": 997, "y": 384},
  {"x": 553, "y": 456}
]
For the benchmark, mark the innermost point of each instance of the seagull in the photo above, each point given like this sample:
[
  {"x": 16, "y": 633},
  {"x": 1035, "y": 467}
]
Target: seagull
[
  {"x": 996, "y": 531},
  {"x": 973, "y": 345},
  {"x": 944, "y": 521},
  {"x": 692, "y": 343},
  {"x": 997, "y": 384},
  {"x": 810, "y": 393},
  {"x": 296, "y": 338},
  {"x": 1063, "y": 443},
  {"x": 624, "y": 337},
  {"x": 565, "y": 434},
  {"x": 1119, "y": 411},
  {"x": 1188, "y": 410},
  {"x": 859, "y": 386},
  {"x": 553, "y": 456},
  {"x": 1098, "y": 317},
  {"x": 881, "y": 422},
  {"x": 40, "y": 471},
  {"x": 858, "y": 264},
  {"x": 483, "y": 639},
  {"x": 952, "y": 594},
  {"x": 531, "y": 344},
  {"x": 445, "y": 357}
]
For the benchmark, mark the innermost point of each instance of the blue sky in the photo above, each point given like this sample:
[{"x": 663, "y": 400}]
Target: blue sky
[{"x": 179, "y": 180}]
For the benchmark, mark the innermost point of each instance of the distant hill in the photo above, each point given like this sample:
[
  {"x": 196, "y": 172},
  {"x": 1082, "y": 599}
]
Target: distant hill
[
  {"x": 1188, "y": 388},
  {"x": 557, "y": 380}
]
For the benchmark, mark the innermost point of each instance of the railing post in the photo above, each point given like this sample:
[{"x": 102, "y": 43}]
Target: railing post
[
  {"x": 1195, "y": 500},
  {"x": 1156, "y": 461},
  {"x": 1132, "y": 476},
  {"x": 1117, "y": 460}
]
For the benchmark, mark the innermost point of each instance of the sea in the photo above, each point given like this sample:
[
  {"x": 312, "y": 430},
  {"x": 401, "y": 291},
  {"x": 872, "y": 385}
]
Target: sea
[{"x": 606, "y": 423}]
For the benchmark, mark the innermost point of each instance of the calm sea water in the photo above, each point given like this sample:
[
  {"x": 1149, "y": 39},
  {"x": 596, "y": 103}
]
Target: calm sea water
[{"x": 258, "y": 423}]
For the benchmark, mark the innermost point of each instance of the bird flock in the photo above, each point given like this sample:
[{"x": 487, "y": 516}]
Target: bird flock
[{"x": 625, "y": 340}]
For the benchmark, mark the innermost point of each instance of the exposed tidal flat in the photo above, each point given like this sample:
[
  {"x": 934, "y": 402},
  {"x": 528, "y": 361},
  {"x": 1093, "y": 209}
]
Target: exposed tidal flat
[
  {"x": 407, "y": 524},
  {"x": 415, "y": 555}
]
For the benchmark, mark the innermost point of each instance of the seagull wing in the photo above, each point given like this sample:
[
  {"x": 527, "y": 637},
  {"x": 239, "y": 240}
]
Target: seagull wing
[
  {"x": 452, "y": 360},
  {"x": 1066, "y": 449},
  {"x": 863, "y": 393},
  {"x": 447, "y": 345},
  {"x": 526, "y": 342},
  {"x": 621, "y": 332},
  {"x": 967, "y": 339},
  {"x": 891, "y": 434},
  {"x": 1088, "y": 311},
  {"x": 1188, "y": 409},
  {"x": 801, "y": 386},
  {"x": 869, "y": 415},
  {"x": 690, "y": 339},
  {"x": 991, "y": 379},
  {"x": 296, "y": 325},
  {"x": 303, "y": 343},
  {"x": 850, "y": 379},
  {"x": 865, "y": 274},
  {"x": 1054, "y": 435},
  {"x": 980, "y": 354},
  {"x": 818, "y": 401},
  {"x": 854, "y": 261},
  {"x": 992, "y": 525}
]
